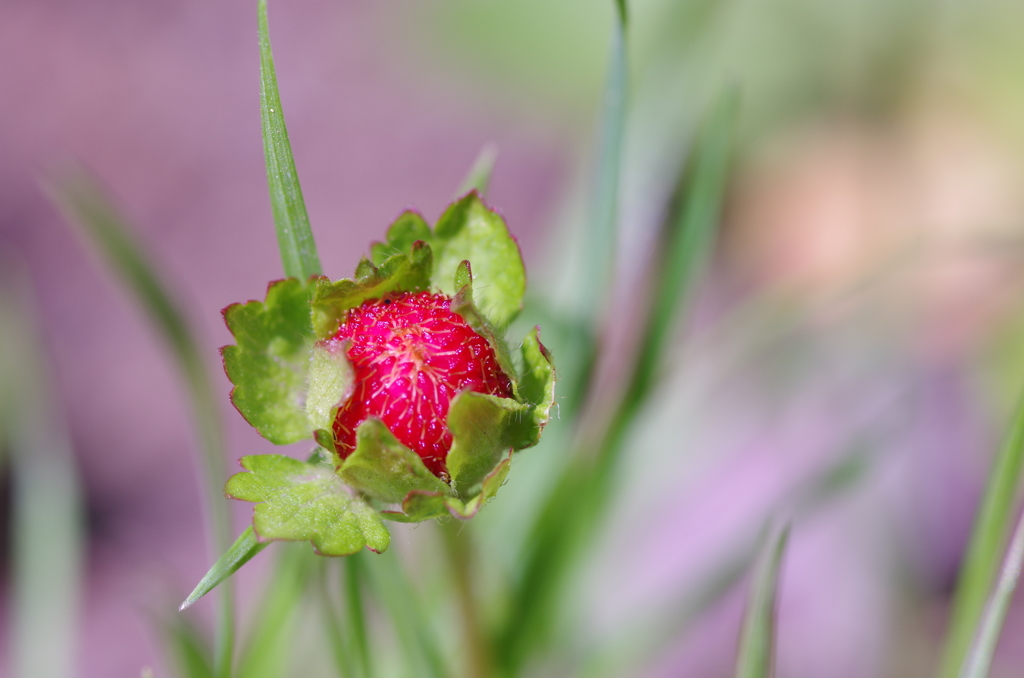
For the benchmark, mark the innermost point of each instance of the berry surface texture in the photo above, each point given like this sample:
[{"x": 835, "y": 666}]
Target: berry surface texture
[{"x": 411, "y": 355}]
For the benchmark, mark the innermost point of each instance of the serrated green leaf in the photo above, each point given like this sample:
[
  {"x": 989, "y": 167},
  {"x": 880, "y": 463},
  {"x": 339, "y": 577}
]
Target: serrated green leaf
[
  {"x": 386, "y": 469},
  {"x": 329, "y": 385},
  {"x": 480, "y": 425},
  {"x": 403, "y": 232},
  {"x": 421, "y": 505},
  {"x": 757, "y": 639},
  {"x": 297, "y": 501},
  {"x": 270, "y": 362},
  {"x": 241, "y": 552},
  {"x": 294, "y": 236},
  {"x": 470, "y": 231},
  {"x": 399, "y": 273}
]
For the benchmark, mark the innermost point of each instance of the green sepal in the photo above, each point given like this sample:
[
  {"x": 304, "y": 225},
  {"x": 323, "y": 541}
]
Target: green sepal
[
  {"x": 463, "y": 304},
  {"x": 403, "y": 272},
  {"x": 296, "y": 501},
  {"x": 480, "y": 425},
  {"x": 403, "y": 232},
  {"x": 270, "y": 361},
  {"x": 536, "y": 388},
  {"x": 420, "y": 505},
  {"x": 330, "y": 383},
  {"x": 470, "y": 231},
  {"x": 384, "y": 468}
]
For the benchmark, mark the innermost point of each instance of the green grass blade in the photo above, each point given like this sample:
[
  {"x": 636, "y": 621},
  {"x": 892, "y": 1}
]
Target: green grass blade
[
  {"x": 979, "y": 660},
  {"x": 479, "y": 176},
  {"x": 604, "y": 212},
  {"x": 104, "y": 228},
  {"x": 241, "y": 552},
  {"x": 688, "y": 240},
  {"x": 984, "y": 551},
  {"x": 355, "y": 614},
  {"x": 577, "y": 504},
  {"x": 332, "y": 626},
  {"x": 46, "y": 512},
  {"x": 294, "y": 236},
  {"x": 186, "y": 650},
  {"x": 757, "y": 639},
  {"x": 391, "y": 586},
  {"x": 270, "y": 642}
]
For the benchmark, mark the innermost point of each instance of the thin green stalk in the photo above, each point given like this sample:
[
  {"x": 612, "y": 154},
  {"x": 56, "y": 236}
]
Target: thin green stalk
[
  {"x": 479, "y": 176},
  {"x": 104, "y": 228},
  {"x": 457, "y": 537},
  {"x": 355, "y": 614},
  {"x": 604, "y": 213},
  {"x": 270, "y": 642},
  {"x": 979, "y": 660},
  {"x": 46, "y": 514},
  {"x": 294, "y": 235},
  {"x": 755, "y": 658},
  {"x": 392, "y": 587},
  {"x": 576, "y": 506},
  {"x": 988, "y": 537},
  {"x": 333, "y": 628}
]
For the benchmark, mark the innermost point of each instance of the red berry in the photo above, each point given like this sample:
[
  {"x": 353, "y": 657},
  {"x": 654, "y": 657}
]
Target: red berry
[{"x": 411, "y": 356}]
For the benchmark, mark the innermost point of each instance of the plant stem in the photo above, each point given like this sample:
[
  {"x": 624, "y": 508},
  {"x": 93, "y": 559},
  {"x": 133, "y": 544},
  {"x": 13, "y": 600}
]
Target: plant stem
[
  {"x": 459, "y": 549},
  {"x": 355, "y": 613}
]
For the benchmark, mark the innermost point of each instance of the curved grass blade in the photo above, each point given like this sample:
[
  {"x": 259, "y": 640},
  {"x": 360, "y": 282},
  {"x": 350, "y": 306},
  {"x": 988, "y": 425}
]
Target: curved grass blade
[
  {"x": 575, "y": 506},
  {"x": 241, "y": 552},
  {"x": 46, "y": 512},
  {"x": 979, "y": 661},
  {"x": 104, "y": 228},
  {"x": 294, "y": 236},
  {"x": 688, "y": 240},
  {"x": 185, "y": 648},
  {"x": 392, "y": 587},
  {"x": 757, "y": 639},
  {"x": 272, "y": 639},
  {"x": 479, "y": 176},
  {"x": 985, "y": 549},
  {"x": 604, "y": 212},
  {"x": 355, "y": 615}
]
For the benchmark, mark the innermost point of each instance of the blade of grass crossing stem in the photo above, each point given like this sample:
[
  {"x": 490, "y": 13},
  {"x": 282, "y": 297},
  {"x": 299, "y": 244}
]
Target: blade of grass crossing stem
[
  {"x": 689, "y": 238},
  {"x": 268, "y": 646},
  {"x": 576, "y": 505},
  {"x": 984, "y": 551},
  {"x": 103, "y": 227},
  {"x": 979, "y": 660},
  {"x": 355, "y": 614},
  {"x": 604, "y": 212},
  {"x": 332, "y": 626},
  {"x": 392, "y": 587},
  {"x": 757, "y": 639},
  {"x": 46, "y": 548},
  {"x": 241, "y": 552},
  {"x": 479, "y": 176},
  {"x": 294, "y": 236},
  {"x": 186, "y": 650}
]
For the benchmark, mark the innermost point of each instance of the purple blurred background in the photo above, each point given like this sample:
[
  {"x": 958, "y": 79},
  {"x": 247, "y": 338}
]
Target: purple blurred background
[{"x": 867, "y": 286}]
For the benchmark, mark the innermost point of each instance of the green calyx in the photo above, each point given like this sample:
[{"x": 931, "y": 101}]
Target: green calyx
[{"x": 290, "y": 378}]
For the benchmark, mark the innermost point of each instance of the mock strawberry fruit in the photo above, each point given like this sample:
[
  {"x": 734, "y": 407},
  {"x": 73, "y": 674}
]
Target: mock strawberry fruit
[
  {"x": 411, "y": 355},
  {"x": 402, "y": 376}
]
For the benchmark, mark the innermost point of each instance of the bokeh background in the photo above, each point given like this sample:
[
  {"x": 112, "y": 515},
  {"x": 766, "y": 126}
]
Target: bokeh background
[{"x": 865, "y": 296}]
